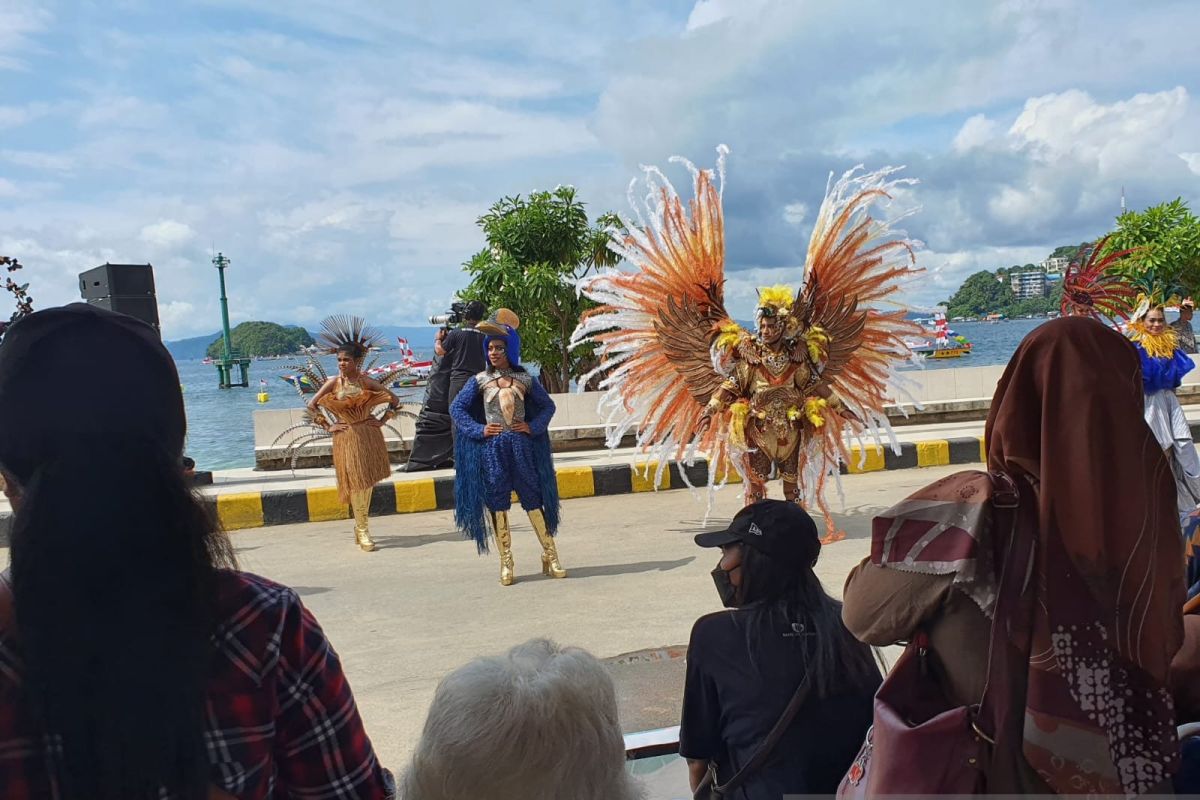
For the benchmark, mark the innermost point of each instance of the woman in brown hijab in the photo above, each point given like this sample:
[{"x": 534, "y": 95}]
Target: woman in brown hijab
[{"x": 1084, "y": 704}]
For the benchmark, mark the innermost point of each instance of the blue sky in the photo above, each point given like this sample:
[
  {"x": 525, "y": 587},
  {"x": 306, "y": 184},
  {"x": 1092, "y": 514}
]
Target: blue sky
[{"x": 340, "y": 152}]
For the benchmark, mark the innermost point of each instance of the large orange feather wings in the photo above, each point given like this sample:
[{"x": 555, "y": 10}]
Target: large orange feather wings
[{"x": 659, "y": 324}]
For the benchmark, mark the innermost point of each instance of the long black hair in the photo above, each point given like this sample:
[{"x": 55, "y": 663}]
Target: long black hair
[
  {"x": 114, "y": 561},
  {"x": 775, "y": 596}
]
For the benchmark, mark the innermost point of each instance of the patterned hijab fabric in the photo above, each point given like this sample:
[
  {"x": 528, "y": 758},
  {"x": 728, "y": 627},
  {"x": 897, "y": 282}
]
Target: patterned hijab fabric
[
  {"x": 1107, "y": 591},
  {"x": 943, "y": 529}
]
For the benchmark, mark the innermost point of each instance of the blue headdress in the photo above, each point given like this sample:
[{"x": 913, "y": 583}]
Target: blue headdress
[{"x": 503, "y": 327}]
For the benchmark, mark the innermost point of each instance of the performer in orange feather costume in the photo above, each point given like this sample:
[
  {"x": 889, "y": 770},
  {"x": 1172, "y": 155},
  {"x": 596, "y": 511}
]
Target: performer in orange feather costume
[{"x": 787, "y": 398}]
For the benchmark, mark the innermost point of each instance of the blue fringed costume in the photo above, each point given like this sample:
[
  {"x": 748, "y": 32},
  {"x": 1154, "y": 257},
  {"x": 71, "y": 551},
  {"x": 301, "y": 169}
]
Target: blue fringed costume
[
  {"x": 490, "y": 468},
  {"x": 1161, "y": 376}
]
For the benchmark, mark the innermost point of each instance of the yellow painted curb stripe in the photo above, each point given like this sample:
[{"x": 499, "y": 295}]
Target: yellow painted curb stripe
[
  {"x": 323, "y": 504},
  {"x": 642, "y": 477},
  {"x": 873, "y": 462},
  {"x": 933, "y": 453},
  {"x": 242, "y": 510},
  {"x": 575, "y": 482},
  {"x": 415, "y": 496}
]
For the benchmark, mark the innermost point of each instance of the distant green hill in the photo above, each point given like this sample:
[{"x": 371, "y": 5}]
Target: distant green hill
[
  {"x": 263, "y": 339},
  {"x": 189, "y": 349}
]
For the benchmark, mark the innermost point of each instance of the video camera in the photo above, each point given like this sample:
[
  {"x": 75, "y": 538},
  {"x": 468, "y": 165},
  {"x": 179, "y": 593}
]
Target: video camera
[{"x": 452, "y": 317}]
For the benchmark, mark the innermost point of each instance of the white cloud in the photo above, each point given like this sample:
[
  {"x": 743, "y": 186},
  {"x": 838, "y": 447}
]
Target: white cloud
[
  {"x": 41, "y": 161},
  {"x": 795, "y": 213},
  {"x": 341, "y": 170},
  {"x": 167, "y": 234},
  {"x": 977, "y": 131},
  {"x": 710, "y": 12},
  {"x": 17, "y": 116},
  {"x": 176, "y": 314},
  {"x": 20, "y": 22}
]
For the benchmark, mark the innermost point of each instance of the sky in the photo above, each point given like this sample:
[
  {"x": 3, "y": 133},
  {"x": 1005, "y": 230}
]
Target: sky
[{"x": 339, "y": 152}]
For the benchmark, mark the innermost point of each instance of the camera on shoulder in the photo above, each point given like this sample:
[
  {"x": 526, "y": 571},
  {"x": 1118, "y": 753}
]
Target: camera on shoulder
[{"x": 452, "y": 317}]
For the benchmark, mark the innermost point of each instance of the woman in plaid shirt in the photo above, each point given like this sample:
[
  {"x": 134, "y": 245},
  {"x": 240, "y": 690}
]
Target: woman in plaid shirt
[{"x": 135, "y": 661}]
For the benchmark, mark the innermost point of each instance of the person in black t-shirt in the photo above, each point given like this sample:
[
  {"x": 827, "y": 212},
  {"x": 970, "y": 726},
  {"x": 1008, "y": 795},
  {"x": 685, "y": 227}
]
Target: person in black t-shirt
[
  {"x": 458, "y": 357},
  {"x": 463, "y": 348},
  {"x": 744, "y": 664}
]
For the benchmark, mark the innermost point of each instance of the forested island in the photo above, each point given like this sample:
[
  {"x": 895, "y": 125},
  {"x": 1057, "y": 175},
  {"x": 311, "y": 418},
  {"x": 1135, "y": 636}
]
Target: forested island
[{"x": 264, "y": 339}]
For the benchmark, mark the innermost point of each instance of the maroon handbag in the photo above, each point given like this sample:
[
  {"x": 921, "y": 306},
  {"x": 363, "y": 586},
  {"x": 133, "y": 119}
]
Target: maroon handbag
[{"x": 921, "y": 743}]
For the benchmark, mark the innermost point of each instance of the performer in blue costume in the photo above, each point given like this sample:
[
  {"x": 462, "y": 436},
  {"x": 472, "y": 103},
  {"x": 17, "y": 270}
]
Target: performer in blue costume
[
  {"x": 502, "y": 446},
  {"x": 1163, "y": 366}
]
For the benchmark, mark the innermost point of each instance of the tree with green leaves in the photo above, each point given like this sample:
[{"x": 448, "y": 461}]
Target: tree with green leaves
[
  {"x": 980, "y": 294},
  {"x": 1070, "y": 251},
  {"x": 1165, "y": 240},
  {"x": 537, "y": 249}
]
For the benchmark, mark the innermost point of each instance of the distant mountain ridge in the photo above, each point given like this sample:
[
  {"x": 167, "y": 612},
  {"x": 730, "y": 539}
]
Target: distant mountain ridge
[{"x": 420, "y": 338}]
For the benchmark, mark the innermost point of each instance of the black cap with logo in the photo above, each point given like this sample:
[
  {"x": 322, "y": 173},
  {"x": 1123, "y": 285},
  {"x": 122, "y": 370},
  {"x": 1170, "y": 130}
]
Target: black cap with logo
[{"x": 776, "y": 528}]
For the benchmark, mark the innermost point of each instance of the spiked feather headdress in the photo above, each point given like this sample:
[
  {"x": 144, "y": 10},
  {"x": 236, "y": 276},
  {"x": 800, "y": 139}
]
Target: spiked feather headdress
[{"x": 341, "y": 330}]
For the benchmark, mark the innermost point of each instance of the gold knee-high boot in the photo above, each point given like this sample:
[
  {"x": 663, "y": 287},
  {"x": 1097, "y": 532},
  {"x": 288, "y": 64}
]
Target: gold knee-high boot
[
  {"x": 360, "y": 503},
  {"x": 550, "y": 563},
  {"x": 504, "y": 544}
]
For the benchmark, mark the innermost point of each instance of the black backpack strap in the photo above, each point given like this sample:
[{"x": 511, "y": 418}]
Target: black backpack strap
[{"x": 764, "y": 750}]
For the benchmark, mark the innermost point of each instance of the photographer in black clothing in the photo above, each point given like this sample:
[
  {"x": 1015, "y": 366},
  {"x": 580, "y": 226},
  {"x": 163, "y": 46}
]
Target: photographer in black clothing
[
  {"x": 463, "y": 348},
  {"x": 458, "y": 357}
]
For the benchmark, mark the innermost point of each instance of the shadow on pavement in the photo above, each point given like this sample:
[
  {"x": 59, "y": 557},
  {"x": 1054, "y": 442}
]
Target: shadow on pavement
[
  {"x": 420, "y": 540},
  {"x": 305, "y": 591},
  {"x": 627, "y": 569}
]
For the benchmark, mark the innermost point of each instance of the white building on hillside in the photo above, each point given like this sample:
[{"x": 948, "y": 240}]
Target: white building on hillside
[{"x": 1028, "y": 284}]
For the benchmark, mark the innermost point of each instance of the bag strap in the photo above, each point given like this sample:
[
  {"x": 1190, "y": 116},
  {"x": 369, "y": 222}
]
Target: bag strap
[
  {"x": 764, "y": 750},
  {"x": 1017, "y": 561}
]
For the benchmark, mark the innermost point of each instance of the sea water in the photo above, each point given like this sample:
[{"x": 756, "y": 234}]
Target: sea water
[{"x": 221, "y": 421}]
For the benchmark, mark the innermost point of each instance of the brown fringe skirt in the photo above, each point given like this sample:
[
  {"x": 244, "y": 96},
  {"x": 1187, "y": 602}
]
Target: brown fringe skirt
[{"x": 360, "y": 459}]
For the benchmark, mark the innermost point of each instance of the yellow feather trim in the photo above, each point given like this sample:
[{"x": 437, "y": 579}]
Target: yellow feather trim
[
  {"x": 731, "y": 335},
  {"x": 816, "y": 338},
  {"x": 793, "y": 414},
  {"x": 814, "y": 408},
  {"x": 778, "y": 297},
  {"x": 738, "y": 412},
  {"x": 1161, "y": 345}
]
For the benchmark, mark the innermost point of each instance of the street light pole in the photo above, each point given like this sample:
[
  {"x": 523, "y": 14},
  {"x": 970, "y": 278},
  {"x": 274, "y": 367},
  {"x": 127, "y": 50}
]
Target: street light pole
[
  {"x": 221, "y": 262},
  {"x": 228, "y": 359}
]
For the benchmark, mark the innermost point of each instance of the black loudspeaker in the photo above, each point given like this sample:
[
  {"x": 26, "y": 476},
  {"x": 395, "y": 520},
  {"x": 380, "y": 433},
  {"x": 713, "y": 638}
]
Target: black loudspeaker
[
  {"x": 124, "y": 288},
  {"x": 117, "y": 279}
]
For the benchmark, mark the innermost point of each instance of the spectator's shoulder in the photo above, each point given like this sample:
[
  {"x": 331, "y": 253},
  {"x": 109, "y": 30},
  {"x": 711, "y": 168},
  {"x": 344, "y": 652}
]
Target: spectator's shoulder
[
  {"x": 712, "y": 626},
  {"x": 255, "y": 615},
  {"x": 245, "y": 596}
]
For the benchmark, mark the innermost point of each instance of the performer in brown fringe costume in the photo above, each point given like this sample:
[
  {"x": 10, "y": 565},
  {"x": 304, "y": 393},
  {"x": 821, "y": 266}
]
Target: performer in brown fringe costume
[{"x": 344, "y": 406}]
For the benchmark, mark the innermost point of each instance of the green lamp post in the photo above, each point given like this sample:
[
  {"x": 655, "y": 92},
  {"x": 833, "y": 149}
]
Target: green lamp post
[{"x": 229, "y": 358}]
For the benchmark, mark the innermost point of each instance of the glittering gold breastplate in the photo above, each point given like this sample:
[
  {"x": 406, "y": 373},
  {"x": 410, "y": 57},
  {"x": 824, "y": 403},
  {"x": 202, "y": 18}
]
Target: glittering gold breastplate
[
  {"x": 346, "y": 390},
  {"x": 504, "y": 396}
]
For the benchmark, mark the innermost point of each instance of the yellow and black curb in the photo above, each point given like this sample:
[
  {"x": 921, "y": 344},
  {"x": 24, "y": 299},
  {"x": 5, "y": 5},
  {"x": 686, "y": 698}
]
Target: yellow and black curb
[{"x": 319, "y": 504}]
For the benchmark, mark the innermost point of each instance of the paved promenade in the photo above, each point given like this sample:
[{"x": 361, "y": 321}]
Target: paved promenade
[{"x": 425, "y": 603}]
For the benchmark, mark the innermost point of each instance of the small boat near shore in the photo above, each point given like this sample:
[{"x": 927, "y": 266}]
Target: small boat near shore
[{"x": 942, "y": 342}]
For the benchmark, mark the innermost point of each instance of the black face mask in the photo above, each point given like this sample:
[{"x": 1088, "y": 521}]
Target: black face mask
[{"x": 725, "y": 588}]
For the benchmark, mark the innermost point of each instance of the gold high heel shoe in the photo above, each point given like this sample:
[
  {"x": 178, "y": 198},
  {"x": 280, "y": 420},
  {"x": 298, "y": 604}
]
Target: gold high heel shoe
[
  {"x": 550, "y": 562},
  {"x": 360, "y": 502},
  {"x": 504, "y": 543}
]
